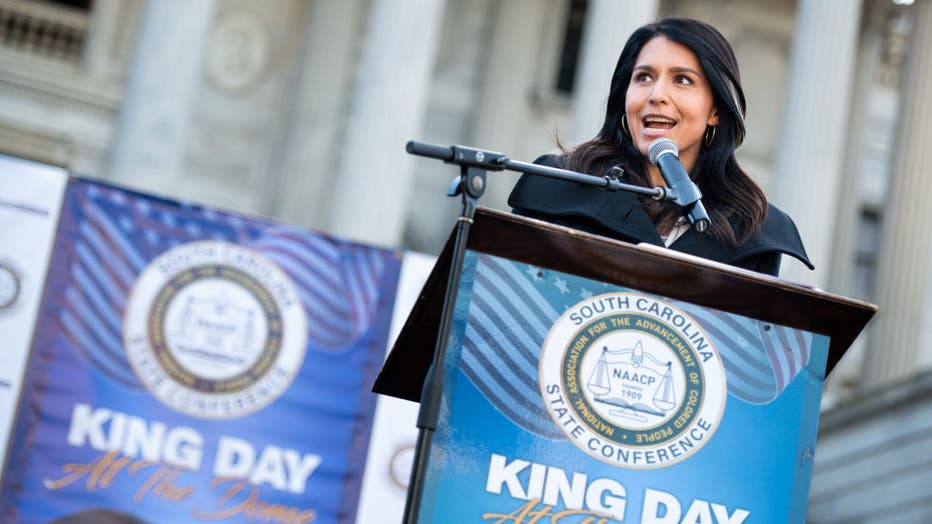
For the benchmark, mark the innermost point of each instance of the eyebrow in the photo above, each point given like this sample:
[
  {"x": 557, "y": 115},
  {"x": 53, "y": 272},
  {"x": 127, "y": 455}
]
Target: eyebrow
[{"x": 651, "y": 69}]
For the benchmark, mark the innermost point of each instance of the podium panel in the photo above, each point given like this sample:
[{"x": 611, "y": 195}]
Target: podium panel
[
  {"x": 573, "y": 399},
  {"x": 592, "y": 381}
]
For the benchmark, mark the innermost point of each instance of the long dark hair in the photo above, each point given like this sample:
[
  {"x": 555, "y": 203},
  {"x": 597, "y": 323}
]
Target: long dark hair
[{"x": 736, "y": 205}]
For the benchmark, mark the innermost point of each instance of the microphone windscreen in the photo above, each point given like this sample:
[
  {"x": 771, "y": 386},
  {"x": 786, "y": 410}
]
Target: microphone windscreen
[{"x": 660, "y": 146}]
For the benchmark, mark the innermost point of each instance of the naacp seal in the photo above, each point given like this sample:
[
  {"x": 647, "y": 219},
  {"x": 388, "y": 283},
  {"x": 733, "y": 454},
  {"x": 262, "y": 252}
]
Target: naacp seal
[
  {"x": 632, "y": 380},
  {"x": 214, "y": 330}
]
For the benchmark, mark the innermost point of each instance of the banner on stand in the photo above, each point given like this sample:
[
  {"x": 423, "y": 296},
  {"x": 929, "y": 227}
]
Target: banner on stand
[{"x": 197, "y": 365}]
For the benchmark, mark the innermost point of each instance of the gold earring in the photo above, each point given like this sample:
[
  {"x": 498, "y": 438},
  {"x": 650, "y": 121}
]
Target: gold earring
[
  {"x": 709, "y": 139},
  {"x": 624, "y": 125}
]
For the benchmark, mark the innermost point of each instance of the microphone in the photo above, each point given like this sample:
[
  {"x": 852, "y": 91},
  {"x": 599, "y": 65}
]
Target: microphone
[{"x": 664, "y": 154}]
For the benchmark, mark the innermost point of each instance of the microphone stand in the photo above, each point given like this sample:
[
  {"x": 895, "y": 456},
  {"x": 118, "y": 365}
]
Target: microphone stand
[{"x": 470, "y": 185}]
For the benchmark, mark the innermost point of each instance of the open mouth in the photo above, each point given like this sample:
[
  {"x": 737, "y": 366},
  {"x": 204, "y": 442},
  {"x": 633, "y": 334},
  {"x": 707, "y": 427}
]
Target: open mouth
[{"x": 658, "y": 122}]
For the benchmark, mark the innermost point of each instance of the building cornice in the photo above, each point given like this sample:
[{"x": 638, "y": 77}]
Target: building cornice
[{"x": 60, "y": 81}]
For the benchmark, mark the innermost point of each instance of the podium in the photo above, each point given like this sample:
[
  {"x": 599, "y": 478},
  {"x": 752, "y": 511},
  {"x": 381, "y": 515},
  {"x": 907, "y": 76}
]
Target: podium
[{"x": 587, "y": 380}]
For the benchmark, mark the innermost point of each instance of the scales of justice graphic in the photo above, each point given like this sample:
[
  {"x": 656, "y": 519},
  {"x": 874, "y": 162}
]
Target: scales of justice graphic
[{"x": 633, "y": 381}]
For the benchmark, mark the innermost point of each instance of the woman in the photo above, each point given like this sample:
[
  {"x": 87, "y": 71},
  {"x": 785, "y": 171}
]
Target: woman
[{"x": 676, "y": 78}]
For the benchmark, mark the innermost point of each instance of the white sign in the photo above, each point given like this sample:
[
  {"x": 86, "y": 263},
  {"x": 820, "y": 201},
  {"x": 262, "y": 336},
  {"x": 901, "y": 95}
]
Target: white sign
[{"x": 30, "y": 204}]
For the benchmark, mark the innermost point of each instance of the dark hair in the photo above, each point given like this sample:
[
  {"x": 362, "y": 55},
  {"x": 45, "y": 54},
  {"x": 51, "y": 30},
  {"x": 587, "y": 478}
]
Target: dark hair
[{"x": 736, "y": 205}]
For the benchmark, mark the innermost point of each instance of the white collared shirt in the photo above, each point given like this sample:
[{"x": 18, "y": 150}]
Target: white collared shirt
[{"x": 679, "y": 227}]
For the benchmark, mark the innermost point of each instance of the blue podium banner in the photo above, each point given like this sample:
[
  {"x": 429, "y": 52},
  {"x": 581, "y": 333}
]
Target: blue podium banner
[
  {"x": 573, "y": 401},
  {"x": 195, "y": 365}
]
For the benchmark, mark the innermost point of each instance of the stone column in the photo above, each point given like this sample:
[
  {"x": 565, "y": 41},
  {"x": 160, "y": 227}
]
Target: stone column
[
  {"x": 98, "y": 51},
  {"x": 609, "y": 23},
  {"x": 865, "y": 152},
  {"x": 165, "y": 70},
  {"x": 811, "y": 151},
  {"x": 110, "y": 35},
  {"x": 865, "y": 148},
  {"x": 899, "y": 340},
  {"x": 369, "y": 196},
  {"x": 507, "y": 80},
  {"x": 313, "y": 136}
]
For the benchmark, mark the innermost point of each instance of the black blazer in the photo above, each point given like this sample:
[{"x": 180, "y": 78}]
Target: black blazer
[{"x": 619, "y": 215}]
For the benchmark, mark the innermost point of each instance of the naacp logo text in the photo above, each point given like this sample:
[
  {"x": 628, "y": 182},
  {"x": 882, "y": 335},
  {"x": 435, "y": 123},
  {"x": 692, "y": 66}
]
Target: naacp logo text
[
  {"x": 632, "y": 381},
  {"x": 215, "y": 330}
]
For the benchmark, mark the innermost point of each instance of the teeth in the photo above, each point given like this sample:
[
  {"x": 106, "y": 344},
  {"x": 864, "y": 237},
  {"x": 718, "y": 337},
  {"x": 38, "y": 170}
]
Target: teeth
[{"x": 658, "y": 120}]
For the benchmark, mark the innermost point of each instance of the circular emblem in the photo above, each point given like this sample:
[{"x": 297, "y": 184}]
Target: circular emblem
[
  {"x": 399, "y": 468},
  {"x": 215, "y": 330},
  {"x": 632, "y": 381},
  {"x": 9, "y": 286},
  {"x": 238, "y": 51}
]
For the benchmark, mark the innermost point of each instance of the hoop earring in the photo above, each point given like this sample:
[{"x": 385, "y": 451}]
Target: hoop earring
[
  {"x": 624, "y": 125},
  {"x": 709, "y": 139}
]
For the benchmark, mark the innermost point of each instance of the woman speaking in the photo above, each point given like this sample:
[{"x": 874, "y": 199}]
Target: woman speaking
[{"x": 677, "y": 79}]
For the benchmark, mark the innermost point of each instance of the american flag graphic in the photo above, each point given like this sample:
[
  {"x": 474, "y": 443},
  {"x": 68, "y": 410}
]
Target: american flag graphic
[
  {"x": 761, "y": 359},
  {"x": 508, "y": 320},
  {"x": 514, "y": 305},
  {"x": 338, "y": 282},
  {"x": 116, "y": 233}
]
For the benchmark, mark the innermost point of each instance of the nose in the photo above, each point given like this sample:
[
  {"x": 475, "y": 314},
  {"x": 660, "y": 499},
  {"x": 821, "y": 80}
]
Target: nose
[{"x": 658, "y": 93}]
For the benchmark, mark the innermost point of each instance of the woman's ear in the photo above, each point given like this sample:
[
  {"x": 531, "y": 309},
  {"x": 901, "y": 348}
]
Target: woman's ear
[{"x": 713, "y": 117}]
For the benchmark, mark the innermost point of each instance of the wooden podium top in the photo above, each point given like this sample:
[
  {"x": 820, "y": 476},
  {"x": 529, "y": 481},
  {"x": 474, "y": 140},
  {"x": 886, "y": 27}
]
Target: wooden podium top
[{"x": 646, "y": 268}]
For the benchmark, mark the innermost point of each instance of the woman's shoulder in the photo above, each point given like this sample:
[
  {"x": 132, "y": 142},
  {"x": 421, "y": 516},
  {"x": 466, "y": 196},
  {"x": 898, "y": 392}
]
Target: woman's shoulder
[
  {"x": 555, "y": 196},
  {"x": 778, "y": 232},
  {"x": 534, "y": 192},
  {"x": 551, "y": 160},
  {"x": 557, "y": 200}
]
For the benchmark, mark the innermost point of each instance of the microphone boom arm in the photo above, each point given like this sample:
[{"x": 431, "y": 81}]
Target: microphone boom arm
[{"x": 494, "y": 161}]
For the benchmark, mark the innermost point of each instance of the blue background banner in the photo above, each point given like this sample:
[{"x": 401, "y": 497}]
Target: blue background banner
[
  {"x": 500, "y": 456},
  {"x": 217, "y": 430}
]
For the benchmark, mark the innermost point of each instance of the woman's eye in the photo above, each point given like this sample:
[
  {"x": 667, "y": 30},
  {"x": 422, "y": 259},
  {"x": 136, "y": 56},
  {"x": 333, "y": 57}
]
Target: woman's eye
[
  {"x": 684, "y": 80},
  {"x": 642, "y": 77}
]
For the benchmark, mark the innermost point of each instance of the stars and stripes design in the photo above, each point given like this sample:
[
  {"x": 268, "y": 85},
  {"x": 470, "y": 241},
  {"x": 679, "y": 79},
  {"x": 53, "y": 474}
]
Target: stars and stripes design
[
  {"x": 761, "y": 359},
  {"x": 514, "y": 305},
  {"x": 114, "y": 236},
  {"x": 508, "y": 320},
  {"x": 338, "y": 282},
  {"x": 116, "y": 233}
]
